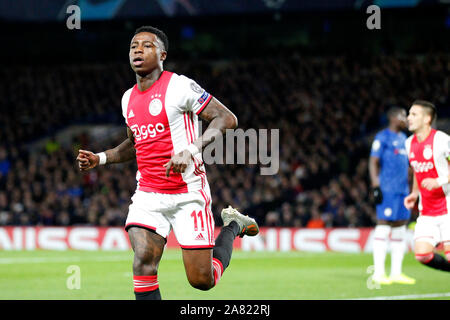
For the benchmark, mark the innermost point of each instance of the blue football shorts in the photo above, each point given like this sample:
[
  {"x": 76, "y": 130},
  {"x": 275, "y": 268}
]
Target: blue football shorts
[{"x": 392, "y": 208}]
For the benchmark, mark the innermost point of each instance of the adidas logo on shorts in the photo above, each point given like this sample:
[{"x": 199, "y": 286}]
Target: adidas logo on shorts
[{"x": 200, "y": 237}]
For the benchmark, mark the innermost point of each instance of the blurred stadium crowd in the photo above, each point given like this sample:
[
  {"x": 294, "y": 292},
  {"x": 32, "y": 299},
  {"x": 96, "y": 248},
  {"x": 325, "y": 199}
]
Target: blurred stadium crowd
[{"x": 327, "y": 110}]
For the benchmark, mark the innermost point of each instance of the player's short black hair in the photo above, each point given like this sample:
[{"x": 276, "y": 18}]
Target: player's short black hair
[
  {"x": 394, "y": 111},
  {"x": 429, "y": 107},
  {"x": 159, "y": 33}
]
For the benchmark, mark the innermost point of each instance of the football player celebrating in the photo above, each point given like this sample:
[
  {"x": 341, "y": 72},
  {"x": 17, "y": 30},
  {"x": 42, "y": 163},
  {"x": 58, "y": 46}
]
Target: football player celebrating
[
  {"x": 428, "y": 152},
  {"x": 161, "y": 112}
]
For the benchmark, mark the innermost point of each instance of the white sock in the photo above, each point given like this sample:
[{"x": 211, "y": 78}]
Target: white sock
[
  {"x": 380, "y": 242},
  {"x": 397, "y": 249}
]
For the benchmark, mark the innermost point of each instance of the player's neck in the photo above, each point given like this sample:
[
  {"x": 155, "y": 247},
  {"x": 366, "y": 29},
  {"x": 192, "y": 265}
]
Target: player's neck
[
  {"x": 394, "y": 129},
  {"x": 145, "y": 82},
  {"x": 423, "y": 133}
]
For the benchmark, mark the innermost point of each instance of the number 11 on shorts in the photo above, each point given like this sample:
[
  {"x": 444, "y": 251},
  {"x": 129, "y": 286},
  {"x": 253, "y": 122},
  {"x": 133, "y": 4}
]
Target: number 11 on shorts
[{"x": 194, "y": 215}]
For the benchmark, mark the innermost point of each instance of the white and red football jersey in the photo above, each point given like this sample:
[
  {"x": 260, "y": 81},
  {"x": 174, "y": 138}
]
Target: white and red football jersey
[
  {"x": 164, "y": 121},
  {"x": 429, "y": 159}
]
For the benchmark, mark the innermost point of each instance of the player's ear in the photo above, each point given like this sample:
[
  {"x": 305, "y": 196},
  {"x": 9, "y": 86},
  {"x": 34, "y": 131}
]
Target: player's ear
[
  {"x": 428, "y": 118},
  {"x": 163, "y": 55}
]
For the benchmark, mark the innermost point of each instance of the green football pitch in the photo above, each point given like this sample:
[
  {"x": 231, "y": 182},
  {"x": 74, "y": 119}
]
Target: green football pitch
[{"x": 251, "y": 275}]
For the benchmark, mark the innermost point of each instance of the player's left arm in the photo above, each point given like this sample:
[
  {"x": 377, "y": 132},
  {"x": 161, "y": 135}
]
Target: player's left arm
[
  {"x": 220, "y": 118},
  {"x": 125, "y": 151},
  {"x": 375, "y": 166}
]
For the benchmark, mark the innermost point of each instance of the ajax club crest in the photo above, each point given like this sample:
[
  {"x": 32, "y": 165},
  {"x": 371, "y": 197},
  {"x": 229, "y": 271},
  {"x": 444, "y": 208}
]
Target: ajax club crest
[
  {"x": 155, "y": 107},
  {"x": 427, "y": 152}
]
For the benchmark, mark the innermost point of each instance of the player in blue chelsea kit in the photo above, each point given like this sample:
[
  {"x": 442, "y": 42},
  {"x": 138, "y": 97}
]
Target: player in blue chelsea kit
[{"x": 388, "y": 168}]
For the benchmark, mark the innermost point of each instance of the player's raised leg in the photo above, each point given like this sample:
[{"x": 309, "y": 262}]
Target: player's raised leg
[
  {"x": 205, "y": 267},
  {"x": 198, "y": 266},
  {"x": 148, "y": 248},
  {"x": 234, "y": 224},
  {"x": 427, "y": 230},
  {"x": 425, "y": 254}
]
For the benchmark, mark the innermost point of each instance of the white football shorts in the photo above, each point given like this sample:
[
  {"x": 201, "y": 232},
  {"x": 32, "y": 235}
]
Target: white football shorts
[
  {"x": 188, "y": 214},
  {"x": 433, "y": 229}
]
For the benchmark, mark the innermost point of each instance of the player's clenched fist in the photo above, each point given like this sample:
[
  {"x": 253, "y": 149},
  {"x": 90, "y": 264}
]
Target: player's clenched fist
[
  {"x": 410, "y": 200},
  {"x": 87, "y": 160},
  {"x": 178, "y": 162}
]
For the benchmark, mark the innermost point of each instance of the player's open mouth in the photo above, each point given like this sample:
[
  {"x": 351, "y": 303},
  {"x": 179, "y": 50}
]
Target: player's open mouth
[{"x": 138, "y": 61}]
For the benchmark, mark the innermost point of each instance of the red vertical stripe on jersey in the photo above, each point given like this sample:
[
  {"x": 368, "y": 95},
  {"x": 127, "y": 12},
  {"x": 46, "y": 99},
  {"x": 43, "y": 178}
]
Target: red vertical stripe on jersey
[
  {"x": 185, "y": 127},
  {"x": 191, "y": 126},
  {"x": 188, "y": 131},
  {"x": 190, "y": 137},
  {"x": 191, "y": 118}
]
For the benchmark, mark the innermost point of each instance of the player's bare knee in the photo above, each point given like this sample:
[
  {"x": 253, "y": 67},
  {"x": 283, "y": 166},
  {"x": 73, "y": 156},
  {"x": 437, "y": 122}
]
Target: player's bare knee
[
  {"x": 140, "y": 268},
  {"x": 144, "y": 264},
  {"x": 202, "y": 282},
  {"x": 202, "y": 285},
  {"x": 424, "y": 257}
]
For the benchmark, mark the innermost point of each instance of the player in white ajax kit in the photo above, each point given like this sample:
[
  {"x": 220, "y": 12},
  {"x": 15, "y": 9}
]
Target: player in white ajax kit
[
  {"x": 429, "y": 155},
  {"x": 161, "y": 112}
]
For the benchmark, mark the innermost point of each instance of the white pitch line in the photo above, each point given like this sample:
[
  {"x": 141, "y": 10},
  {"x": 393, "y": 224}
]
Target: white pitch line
[
  {"x": 58, "y": 260},
  {"x": 409, "y": 296},
  {"x": 236, "y": 256}
]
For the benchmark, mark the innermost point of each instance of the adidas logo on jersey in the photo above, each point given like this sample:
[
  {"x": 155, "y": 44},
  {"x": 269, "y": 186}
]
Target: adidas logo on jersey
[
  {"x": 199, "y": 237},
  {"x": 131, "y": 114}
]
